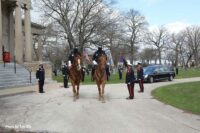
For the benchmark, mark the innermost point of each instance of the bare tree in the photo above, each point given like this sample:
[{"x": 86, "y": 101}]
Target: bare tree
[
  {"x": 147, "y": 55},
  {"x": 193, "y": 38},
  {"x": 177, "y": 42},
  {"x": 79, "y": 19},
  {"x": 158, "y": 39},
  {"x": 136, "y": 24}
]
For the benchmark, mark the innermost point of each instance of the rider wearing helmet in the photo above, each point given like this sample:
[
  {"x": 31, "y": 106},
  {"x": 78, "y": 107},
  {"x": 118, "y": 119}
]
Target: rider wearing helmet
[
  {"x": 95, "y": 57},
  {"x": 72, "y": 55}
]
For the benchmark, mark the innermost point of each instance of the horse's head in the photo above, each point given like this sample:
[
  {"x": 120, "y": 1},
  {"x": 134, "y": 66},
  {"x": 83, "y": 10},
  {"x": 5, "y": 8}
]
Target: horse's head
[
  {"x": 77, "y": 61},
  {"x": 102, "y": 61}
]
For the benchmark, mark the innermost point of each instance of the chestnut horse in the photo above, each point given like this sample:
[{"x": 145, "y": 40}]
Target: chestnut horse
[
  {"x": 100, "y": 76},
  {"x": 75, "y": 75}
]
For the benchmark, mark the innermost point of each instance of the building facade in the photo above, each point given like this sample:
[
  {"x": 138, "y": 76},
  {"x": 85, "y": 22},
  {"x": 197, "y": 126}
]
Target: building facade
[{"x": 15, "y": 36}]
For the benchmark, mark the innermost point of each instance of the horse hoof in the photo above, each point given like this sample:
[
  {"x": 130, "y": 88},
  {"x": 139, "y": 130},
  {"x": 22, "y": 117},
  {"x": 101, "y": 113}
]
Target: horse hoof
[
  {"x": 99, "y": 98},
  {"x": 103, "y": 101},
  {"x": 77, "y": 97},
  {"x": 74, "y": 99}
]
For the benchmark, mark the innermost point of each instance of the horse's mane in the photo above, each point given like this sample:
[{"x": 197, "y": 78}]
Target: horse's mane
[
  {"x": 102, "y": 60},
  {"x": 75, "y": 74},
  {"x": 75, "y": 57},
  {"x": 100, "y": 72}
]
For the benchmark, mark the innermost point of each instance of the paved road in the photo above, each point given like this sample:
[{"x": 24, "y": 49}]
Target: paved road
[{"x": 55, "y": 111}]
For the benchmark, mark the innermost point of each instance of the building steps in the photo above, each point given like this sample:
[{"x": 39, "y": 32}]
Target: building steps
[{"x": 10, "y": 79}]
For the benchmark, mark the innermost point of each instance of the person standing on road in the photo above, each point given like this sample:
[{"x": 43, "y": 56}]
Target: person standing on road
[
  {"x": 130, "y": 79},
  {"x": 40, "y": 75},
  {"x": 65, "y": 73},
  {"x": 120, "y": 70},
  {"x": 83, "y": 69},
  {"x": 140, "y": 76}
]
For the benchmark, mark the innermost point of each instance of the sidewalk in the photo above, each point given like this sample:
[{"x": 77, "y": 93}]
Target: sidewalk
[{"x": 28, "y": 89}]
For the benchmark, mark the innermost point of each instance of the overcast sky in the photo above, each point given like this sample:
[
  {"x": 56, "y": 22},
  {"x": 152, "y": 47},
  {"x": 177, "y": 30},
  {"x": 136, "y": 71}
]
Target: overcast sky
[{"x": 175, "y": 14}]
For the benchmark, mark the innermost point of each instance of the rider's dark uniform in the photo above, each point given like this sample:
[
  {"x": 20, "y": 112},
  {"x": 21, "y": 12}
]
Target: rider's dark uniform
[
  {"x": 140, "y": 77},
  {"x": 65, "y": 72},
  {"x": 130, "y": 81},
  {"x": 95, "y": 57},
  {"x": 73, "y": 54}
]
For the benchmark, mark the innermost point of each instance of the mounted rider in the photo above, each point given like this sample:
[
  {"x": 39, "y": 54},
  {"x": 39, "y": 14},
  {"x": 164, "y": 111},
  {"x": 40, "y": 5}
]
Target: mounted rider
[
  {"x": 72, "y": 55},
  {"x": 95, "y": 58}
]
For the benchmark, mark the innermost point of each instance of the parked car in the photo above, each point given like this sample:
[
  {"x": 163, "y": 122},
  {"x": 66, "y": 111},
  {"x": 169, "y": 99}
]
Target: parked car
[{"x": 158, "y": 72}]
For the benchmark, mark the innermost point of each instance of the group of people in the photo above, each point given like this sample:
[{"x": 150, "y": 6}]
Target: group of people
[{"x": 130, "y": 77}]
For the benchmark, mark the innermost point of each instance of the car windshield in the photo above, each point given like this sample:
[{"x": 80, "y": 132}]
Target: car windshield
[{"x": 149, "y": 69}]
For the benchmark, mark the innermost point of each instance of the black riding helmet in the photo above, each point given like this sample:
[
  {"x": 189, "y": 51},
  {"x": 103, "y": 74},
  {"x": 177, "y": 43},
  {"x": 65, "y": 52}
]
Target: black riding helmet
[
  {"x": 99, "y": 48},
  {"x": 75, "y": 50}
]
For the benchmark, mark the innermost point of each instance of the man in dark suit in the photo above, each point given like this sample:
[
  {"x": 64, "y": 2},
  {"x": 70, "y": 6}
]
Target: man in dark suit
[
  {"x": 120, "y": 70},
  {"x": 65, "y": 72},
  {"x": 140, "y": 76},
  {"x": 40, "y": 75},
  {"x": 130, "y": 80},
  {"x": 83, "y": 70}
]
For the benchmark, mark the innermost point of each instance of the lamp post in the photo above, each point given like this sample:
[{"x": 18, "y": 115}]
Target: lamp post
[
  {"x": 15, "y": 63},
  {"x": 30, "y": 75}
]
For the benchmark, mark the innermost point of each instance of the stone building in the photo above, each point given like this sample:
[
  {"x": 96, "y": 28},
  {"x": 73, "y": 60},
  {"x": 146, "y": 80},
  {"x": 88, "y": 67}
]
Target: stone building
[
  {"x": 17, "y": 33},
  {"x": 11, "y": 29}
]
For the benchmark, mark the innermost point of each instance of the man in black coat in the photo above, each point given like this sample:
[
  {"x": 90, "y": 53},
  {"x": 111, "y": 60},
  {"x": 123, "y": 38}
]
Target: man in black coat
[
  {"x": 40, "y": 75},
  {"x": 140, "y": 76},
  {"x": 83, "y": 70},
  {"x": 65, "y": 72},
  {"x": 120, "y": 70}
]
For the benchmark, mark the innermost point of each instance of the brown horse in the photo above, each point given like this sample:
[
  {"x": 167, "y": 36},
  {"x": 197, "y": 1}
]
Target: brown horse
[
  {"x": 75, "y": 75},
  {"x": 100, "y": 76}
]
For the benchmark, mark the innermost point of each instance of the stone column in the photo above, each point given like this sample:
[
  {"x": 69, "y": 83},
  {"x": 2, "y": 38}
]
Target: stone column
[
  {"x": 11, "y": 33},
  {"x": 40, "y": 47},
  {"x": 18, "y": 33},
  {"x": 1, "y": 17},
  {"x": 28, "y": 38}
]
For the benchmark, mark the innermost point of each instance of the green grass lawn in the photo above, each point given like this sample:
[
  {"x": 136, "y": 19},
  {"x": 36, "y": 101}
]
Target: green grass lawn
[
  {"x": 185, "y": 96},
  {"x": 188, "y": 73},
  {"x": 114, "y": 78}
]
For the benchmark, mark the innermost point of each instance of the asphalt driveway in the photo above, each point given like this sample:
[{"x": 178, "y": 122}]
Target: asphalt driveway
[{"x": 56, "y": 111}]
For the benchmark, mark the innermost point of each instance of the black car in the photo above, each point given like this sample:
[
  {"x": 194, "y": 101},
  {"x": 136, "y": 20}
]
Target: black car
[{"x": 158, "y": 72}]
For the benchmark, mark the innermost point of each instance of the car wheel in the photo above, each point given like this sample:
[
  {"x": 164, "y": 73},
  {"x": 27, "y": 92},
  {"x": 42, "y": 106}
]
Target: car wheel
[
  {"x": 151, "y": 79},
  {"x": 170, "y": 78}
]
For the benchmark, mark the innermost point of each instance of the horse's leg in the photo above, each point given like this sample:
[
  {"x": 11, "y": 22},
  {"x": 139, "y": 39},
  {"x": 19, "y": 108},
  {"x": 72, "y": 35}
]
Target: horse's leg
[
  {"x": 74, "y": 90},
  {"x": 99, "y": 89},
  {"x": 77, "y": 94},
  {"x": 103, "y": 86}
]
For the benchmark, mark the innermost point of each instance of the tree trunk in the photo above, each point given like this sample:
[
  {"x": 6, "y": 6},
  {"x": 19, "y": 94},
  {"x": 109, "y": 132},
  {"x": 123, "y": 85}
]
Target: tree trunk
[
  {"x": 176, "y": 58},
  {"x": 159, "y": 54}
]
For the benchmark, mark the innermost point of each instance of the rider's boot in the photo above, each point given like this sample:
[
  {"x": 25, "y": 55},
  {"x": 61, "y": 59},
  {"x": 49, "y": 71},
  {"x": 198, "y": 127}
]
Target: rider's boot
[{"x": 107, "y": 73}]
